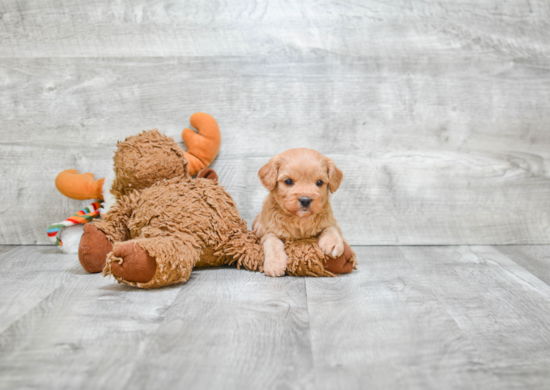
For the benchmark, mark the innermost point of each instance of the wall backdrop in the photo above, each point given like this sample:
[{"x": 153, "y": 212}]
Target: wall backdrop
[{"x": 437, "y": 112}]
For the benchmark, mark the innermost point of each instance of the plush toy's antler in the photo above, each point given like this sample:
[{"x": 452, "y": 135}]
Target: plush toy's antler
[
  {"x": 79, "y": 186},
  {"x": 202, "y": 147}
]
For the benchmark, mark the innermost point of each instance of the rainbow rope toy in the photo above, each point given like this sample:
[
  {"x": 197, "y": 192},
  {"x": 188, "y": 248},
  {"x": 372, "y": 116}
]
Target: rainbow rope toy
[{"x": 87, "y": 214}]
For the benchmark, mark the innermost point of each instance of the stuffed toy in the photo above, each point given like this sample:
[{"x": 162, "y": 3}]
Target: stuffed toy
[
  {"x": 202, "y": 149},
  {"x": 159, "y": 223}
]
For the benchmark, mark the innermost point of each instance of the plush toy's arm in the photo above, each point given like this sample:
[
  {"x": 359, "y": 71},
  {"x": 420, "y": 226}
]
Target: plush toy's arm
[
  {"x": 79, "y": 186},
  {"x": 202, "y": 147},
  {"x": 115, "y": 223}
]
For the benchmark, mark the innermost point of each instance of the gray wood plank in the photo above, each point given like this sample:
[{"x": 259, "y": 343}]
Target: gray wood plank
[
  {"x": 383, "y": 326},
  {"x": 409, "y": 317},
  {"x": 231, "y": 329},
  {"x": 259, "y": 27},
  {"x": 534, "y": 258},
  {"x": 360, "y": 105},
  {"x": 500, "y": 307},
  {"x": 29, "y": 274},
  {"x": 474, "y": 172},
  {"x": 83, "y": 332},
  {"x": 381, "y": 201},
  {"x": 6, "y": 248}
]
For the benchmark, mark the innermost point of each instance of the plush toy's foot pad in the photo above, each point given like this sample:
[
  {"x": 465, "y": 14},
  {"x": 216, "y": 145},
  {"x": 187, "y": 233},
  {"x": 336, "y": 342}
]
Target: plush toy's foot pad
[
  {"x": 93, "y": 249},
  {"x": 136, "y": 266},
  {"x": 341, "y": 265}
]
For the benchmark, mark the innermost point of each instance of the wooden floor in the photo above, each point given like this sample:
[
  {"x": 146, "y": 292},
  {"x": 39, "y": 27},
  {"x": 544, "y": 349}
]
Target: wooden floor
[{"x": 410, "y": 317}]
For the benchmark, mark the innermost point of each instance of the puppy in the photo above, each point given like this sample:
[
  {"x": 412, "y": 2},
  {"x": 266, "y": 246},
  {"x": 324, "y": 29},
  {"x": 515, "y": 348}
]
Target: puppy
[{"x": 300, "y": 182}]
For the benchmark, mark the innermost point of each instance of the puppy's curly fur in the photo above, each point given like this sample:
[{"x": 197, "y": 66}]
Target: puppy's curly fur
[{"x": 300, "y": 182}]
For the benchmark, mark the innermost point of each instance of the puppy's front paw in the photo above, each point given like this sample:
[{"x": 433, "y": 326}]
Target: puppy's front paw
[
  {"x": 331, "y": 244},
  {"x": 275, "y": 264}
]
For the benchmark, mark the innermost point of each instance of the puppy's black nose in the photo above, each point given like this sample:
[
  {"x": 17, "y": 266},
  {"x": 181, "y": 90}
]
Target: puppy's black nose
[{"x": 305, "y": 201}]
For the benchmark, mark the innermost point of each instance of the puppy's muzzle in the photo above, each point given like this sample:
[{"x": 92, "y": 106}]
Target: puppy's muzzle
[{"x": 304, "y": 201}]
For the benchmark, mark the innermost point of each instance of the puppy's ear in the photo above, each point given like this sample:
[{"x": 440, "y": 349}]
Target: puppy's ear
[
  {"x": 335, "y": 176},
  {"x": 268, "y": 173}
]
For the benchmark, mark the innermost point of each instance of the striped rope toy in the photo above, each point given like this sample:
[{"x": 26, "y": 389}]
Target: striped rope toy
[{"x": 85, "y": 215}]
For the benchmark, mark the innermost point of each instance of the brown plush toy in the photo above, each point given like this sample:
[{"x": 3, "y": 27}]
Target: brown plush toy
[{"x": 164, "y": 223}]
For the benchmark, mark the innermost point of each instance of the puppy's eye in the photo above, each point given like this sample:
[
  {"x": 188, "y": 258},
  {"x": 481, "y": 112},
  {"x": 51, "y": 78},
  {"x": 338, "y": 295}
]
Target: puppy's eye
[
  {"x": 289, "y": 182},
  {"x": 320, "y": 183}
]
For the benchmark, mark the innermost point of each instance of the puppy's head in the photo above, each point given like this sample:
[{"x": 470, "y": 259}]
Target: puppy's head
[{"x": 301, "y": 180}]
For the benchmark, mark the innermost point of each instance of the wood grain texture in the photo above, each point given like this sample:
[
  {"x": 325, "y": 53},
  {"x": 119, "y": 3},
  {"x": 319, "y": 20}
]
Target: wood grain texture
[
  {"x": 6, "y": 248},
  {"x": 27, "y": 276},
  {"x": 500, "y": 307},
  {"x": 409, "y": 317},
  {"x": 438, "y": 112},
  {"x": 420, "y": 174},
  {"x": 383, "y": 326},
  {"x": 71, "y": 28},
  {"x": 534, "y": 258},
  {"x": 231, "y": 329},
  {"x": 72, "y": 329}
]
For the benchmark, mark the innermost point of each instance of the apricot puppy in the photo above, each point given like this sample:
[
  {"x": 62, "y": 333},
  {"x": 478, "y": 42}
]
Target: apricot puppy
[{"x": 300, "y": 182}]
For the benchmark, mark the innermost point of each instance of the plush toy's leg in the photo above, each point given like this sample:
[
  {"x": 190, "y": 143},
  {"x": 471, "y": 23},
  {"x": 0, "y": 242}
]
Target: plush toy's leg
[
  {"x": 343, "y": 264},
  {"x": 93, "y": 249},
  {"x": 306, "y": 258},
  {"x": 115, "y": 223},
  {"x": 154, "y": 262},
  {"x": 100, "y": 235},
  {"x": 243, "y": 248},
  {"x": 136, "y": 264}
]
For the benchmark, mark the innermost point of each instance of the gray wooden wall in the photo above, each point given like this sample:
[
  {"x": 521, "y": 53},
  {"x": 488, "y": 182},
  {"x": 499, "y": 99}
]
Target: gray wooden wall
[{"x": 438, "y": 112}]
